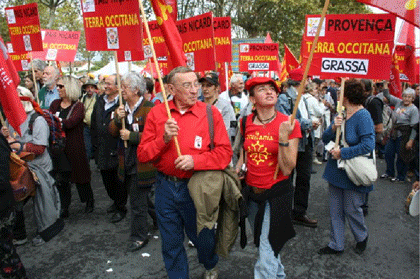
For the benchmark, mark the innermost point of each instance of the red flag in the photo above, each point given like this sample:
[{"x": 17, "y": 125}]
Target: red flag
[
  {"x": 283, "y": 71},
  {"x": 9, "y": 99},
  {"x": 407, "y": 38},
  {"x": 395, "y": 83},
  {"x": 163, "y": 11},
  {"x": 268, "y": 39},
  {"x": 291, "y": 61},
  {"x": 408, "y": 10}
]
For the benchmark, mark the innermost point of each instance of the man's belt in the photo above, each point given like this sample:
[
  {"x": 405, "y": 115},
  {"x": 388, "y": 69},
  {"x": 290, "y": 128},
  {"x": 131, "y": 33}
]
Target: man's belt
[
  {"x": 172, "y": 178},
  {"x": 258, "y": 190}
]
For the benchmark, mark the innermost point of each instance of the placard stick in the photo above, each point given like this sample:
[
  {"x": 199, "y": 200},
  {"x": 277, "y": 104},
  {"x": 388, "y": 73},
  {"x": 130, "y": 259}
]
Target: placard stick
[
  {"x": 227, "y": 75},
  {"x": 129, "y": 66},
  {"x": 34, "y": 81},
  {"x": 117, "y": 68},
  {"x": 165, "y": 99},
  {"x": 340, "y": 112},
  {"x": 305, "y": 73}
]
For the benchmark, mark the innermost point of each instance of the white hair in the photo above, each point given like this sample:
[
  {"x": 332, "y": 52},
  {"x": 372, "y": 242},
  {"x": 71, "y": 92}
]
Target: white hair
[
  {"x": 409, "y": 91},
  {"x": 236, "y": 78},
  {"x": 135, "y": 82}
]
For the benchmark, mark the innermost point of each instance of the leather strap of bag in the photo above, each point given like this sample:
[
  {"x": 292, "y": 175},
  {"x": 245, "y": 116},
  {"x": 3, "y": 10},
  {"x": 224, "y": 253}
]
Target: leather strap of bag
[{"x": 211, "y": 125}]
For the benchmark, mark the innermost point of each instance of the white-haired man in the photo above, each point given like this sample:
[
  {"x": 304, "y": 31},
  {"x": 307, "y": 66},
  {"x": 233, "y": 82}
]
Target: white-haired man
[
  {"x": 49, "y": 92},
  {"x": 236, "y": 95}
]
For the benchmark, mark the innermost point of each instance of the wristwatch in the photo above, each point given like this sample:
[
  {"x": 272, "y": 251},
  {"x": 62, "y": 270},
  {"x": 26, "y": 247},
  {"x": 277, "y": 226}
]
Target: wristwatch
[{"x": 284, "y": 143}]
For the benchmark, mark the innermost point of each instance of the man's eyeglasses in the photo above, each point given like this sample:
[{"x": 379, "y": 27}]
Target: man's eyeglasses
[
  {"x": 190, "y": 85},
  {"x": 60, "y": 86}
]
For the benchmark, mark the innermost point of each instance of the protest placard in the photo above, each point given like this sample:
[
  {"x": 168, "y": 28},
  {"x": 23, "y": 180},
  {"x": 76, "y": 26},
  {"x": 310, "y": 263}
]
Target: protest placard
[
  {"x": 258, "y": 57},
  {"x": 20, "y": 59},
  {"x": 112, "y": 25},
  {"x": 350, "y": 45},
  {"x": 58, "y": 45},
  {"x": 24, "y": 27},
  {"x": 197, "y": 40},
  {"x": 158, "y": 41},
  {"x": 223, "y": 39}
]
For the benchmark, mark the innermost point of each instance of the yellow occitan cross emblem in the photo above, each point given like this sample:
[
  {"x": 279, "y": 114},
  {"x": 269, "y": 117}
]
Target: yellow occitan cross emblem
[
  {"x": 165, "y": 9},
  {"x": 411, "y": 4},
  {"x": 258, "y": 153}
]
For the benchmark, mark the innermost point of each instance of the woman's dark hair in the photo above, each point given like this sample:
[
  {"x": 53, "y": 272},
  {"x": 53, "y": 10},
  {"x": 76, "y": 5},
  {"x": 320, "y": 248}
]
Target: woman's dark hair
[
  {"x": 368, "y": 85},
  {"x": 149, "y": 84},
  {"x": 354, "y": 91}
]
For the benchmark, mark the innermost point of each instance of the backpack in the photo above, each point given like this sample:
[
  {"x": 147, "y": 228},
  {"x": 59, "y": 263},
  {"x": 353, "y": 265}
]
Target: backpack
[
  {"x": 388, "y": 120},
  {"x": 57, "y": 138}
]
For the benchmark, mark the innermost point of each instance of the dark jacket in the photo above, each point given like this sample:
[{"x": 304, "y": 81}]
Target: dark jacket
[
  {"x": 6, "y": 193},
  {"x": 75, "y": 145},
  {"x": 103, "y": 143},
  {"x": 128, "y": 163}
]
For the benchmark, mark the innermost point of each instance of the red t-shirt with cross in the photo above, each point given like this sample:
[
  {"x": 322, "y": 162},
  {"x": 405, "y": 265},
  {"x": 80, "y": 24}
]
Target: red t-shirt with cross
[{"x": 262, "y": 146}]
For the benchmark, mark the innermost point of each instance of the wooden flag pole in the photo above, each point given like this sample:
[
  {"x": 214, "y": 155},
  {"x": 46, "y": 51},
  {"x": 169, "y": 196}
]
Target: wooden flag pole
[
  {"x": 117, "y": 69},
  {"x": 308, "y": 63},
  {"x": 149, "y": 36},
  {"x": 305, "y": 73},
  {"x": 34, "y": 81},
  {"x": 227, "y": 75},
  {"x": 340, "y": 112}
]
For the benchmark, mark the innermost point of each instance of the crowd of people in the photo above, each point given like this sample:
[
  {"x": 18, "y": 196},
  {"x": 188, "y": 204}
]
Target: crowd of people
[{"x": 142, "y": 153}]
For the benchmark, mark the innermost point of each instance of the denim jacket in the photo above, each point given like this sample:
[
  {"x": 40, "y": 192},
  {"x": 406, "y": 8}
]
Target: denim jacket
[{"x": 283, "y": 105}]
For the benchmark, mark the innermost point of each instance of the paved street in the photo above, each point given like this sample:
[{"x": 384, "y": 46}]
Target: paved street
[{"x": 91, "y": 247}]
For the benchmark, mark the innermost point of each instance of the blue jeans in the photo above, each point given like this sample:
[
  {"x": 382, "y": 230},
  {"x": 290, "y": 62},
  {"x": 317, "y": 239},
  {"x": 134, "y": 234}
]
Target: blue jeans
[
  {"x": 175, "y": 213},
  {"x": 88, "y": 141},
  {"x": 267, "y": 265},
  {"x": 346, "y": 204},
  {"x": 392, "y": 148}
]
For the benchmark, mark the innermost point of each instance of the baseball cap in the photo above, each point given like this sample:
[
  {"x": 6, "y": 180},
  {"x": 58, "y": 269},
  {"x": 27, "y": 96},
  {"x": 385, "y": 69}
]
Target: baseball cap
[
  {"x": 90, "y": 82},
  {"x": 260, "y": 80},
  {"x": 296, "y": 74},
  {"x": 211, "y": 77}
]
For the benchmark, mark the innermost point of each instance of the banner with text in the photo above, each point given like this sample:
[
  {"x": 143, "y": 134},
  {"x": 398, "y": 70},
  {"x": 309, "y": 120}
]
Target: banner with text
[
  {"x": 223, "y": 39},
  {"x": 151, "y": 69},
  {"x": 24, "y": 27},
  {"x": 197, "y": 35},
  {"x": 350, "y": 45},
  {"x": 258, "y": 57},
  {"x": 58, "y": 45},
  {"x": 158, "y": 41},
  {"x": 21, "y": 59},
  {"x": 112, "y": 25},
  {"x": 130, "y": 55}
]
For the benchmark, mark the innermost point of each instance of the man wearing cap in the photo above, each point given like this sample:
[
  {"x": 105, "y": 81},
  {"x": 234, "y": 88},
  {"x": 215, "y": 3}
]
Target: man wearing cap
[
  {"x": 285, "y": 104},
  {"x": 89, "y": 90},
  {"x": 175, "y": 209},
  {"x": 210, "y": 89}
]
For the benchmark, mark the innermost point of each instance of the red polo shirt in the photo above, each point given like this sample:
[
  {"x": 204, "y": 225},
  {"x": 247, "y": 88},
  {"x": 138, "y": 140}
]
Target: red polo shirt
[{"x": 193, "y": 138}]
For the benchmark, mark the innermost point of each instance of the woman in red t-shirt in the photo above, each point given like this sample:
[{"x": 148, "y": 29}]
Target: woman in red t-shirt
[{"x": 270, "y": 142}]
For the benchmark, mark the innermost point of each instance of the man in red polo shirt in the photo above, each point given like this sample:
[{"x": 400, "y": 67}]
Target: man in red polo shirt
[{"x": 174, "y": 206}]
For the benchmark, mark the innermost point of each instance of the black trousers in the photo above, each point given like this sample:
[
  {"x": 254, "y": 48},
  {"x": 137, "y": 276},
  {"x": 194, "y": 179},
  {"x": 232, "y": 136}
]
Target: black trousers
[
  {"x": 302, "y": 181},
  {"x": 64, "y": 190},
  {"x": 11, "y": 265},
  {"x": 115, "y": 188},
  {"x": 139, "y": 208}
]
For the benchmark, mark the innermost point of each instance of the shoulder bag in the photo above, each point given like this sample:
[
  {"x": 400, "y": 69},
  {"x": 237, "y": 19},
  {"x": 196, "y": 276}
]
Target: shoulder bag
[{"x": 361, "y": 170}]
